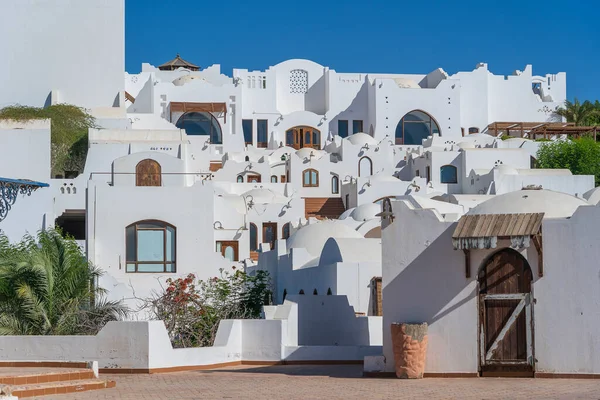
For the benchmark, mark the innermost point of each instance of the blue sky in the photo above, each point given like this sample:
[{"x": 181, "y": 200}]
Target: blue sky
[{"x": 394, "y": 36}]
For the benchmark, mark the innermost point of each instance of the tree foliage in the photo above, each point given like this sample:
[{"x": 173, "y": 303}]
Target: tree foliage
[
  {"x": 582, "y": 114},
  {"x": 69, "y": 125},
  {"x": 580, "y": 156},
  {"x": 47, "y": 287},
  {"x": 192, "y": 310}
]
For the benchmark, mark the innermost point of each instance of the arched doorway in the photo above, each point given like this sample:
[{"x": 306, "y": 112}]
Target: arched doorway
[
  {"x": 365, "y": 167},
  {"x": 148, "y": 173},
  {"x": 505, "y": 315},
  {"x": 303, "y": 136}
]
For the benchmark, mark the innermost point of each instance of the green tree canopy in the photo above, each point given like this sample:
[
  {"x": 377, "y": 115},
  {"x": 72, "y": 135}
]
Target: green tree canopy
[
  {"x": 580, "y": 156},
  {"x": 582, "y": 114},
  {"x": 69, "y": 135},
  {"x": 47, "y": 287}
]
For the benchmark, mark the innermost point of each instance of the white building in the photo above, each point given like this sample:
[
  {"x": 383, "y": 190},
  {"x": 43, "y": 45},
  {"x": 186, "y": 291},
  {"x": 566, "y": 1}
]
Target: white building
[{"x": 194, "y": 170}]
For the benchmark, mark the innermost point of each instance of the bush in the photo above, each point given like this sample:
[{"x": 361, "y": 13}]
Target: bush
[
  {"x": 580, "y": 156},
  {"x": 193, "y": 310},
  {"x": 69, "y": 124},
  {"x": 48, "y": 287}
]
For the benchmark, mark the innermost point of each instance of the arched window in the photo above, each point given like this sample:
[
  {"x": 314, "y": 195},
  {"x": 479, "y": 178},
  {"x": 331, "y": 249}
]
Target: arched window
[
  {"x": 303, "y": 136},
  {"x": 150, "y": 247},
  {"x": 247, "y": 158},
  {"x": 315, "y": 293},
  {"x": 285, "y": 231},
  {"x": 273, "y": 178},
  {"x": 335, "y": 185},
  {"x": 310, "y": 178},
  {"x": 201, "y": 123},
  {"x": 301, "y": 291},
  {"x": 240, "y": 179},
  {"x": 448, "y": 174},
  {"x": 329, "y": 293},
  {"x": 253, "y": 237},
  {"x": 414, "y": 127},
  {"x": 148, "y": 173},
  {"x": 365, "y": 167}
]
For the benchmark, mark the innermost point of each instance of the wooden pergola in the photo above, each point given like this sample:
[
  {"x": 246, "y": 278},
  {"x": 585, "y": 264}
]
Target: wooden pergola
[
  {"x": 544, "y": 130},
  {"x": 217, "y": 109}
]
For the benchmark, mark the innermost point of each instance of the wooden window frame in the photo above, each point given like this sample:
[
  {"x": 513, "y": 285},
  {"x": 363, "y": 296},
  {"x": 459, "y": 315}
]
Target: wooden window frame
[
  {"x": 432, "y": 121},
  {"x": 455, "y": 174},
  {"x": 165, "y": 225},
  {"x": 273, "y": 225},
  {"x": 310, "y": 183},
  {"x": 275, "y": 177},
  {"x": 334, "y": 177},
  {"x": 360, "y": 122},
  {"x": 250, "y": 237},
  {"x": 238, "y": 179},
  {"x": 283, "y": 179},
  {"x": 251, "y": 131},
  {"x": 260, "y": 144},
  {"x": 344, "y": 122},
  {"x": 231, "y": 243},
  {"x": 249, "y": 178},
  {"x": 283, "y": 233}
]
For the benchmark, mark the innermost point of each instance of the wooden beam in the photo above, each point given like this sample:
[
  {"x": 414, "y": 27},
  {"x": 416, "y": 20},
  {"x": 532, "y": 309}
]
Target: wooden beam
[
  {"x": 467, "y": 263},
  {"x": 537, "y": 241}
]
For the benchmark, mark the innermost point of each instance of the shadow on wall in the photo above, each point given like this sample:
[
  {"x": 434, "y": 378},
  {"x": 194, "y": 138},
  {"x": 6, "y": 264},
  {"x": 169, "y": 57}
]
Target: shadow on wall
[
  {"x": 358, "y": 103},
  {"x": 425, "y": 288}
]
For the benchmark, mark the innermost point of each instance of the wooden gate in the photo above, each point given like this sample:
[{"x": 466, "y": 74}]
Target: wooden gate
[
  {"x": 148, "y": 173},
  {"x": 505, "y": 316}
]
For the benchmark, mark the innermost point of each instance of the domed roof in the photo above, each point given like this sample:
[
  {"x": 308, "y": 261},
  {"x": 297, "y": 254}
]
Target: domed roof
[
  {"x": 182, "y": 80},
  {"x": 360, "y": 139},
  {"x": 365, "y": 212},
  {"x": 406, "y": 83},
  {"x": 313, "y": 237},
  {"x": 593, "y": 196},
  {"x": 506, "y": 169},
  {"x": 264, "y": 196},
  {"x": 305, "y": 152},
  {"x": 553, "y": 204}
]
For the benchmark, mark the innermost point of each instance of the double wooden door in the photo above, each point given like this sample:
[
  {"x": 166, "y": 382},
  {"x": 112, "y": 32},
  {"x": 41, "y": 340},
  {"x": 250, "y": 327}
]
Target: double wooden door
[
  {"x": 505, "y": 316},
  {"x": 270, "y": 233},
  {"x": 303, "y": 136}
]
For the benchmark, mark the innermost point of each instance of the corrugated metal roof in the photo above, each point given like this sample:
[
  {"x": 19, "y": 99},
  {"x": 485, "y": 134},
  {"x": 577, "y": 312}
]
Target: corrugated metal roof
[{"x": 498, "y": 225}]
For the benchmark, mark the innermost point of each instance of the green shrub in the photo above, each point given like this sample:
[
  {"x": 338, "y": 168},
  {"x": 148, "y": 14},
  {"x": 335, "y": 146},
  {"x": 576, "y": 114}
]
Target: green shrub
[{"x": 580, "y": 156}]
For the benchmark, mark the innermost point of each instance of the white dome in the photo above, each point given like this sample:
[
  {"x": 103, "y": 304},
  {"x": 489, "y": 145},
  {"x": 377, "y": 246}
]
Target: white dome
[
  {"x": 553, "y": 204},
  {"x": 312, "y": 237},
  {"x": 592, "y": 196},
  {"x": 346, "y": 213},
  {"x": 360, "y": 139},
  {"x": 264, "y": 196},
  {"x": 305, "y": 152},
  {"x": 366, "y": 212},
  {"x": 406, "y": 83},
  {"x": 506, "y": 169},
  {"x": 182, "y": 80}
]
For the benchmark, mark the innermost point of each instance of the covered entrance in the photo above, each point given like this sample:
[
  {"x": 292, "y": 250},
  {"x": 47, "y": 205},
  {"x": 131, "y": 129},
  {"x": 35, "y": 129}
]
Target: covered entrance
[
  {"x": 505, "y": 316},
  {"x": 505, "y": 310},
  {"x": 303, "y": 136}
]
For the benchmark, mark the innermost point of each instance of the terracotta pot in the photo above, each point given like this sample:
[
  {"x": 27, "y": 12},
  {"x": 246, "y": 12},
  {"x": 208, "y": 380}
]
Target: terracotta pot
[{"x": 410, "y": 349}]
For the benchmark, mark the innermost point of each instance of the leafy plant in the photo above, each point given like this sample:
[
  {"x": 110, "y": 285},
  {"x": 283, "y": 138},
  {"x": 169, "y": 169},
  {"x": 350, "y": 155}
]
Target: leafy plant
[
  {"x": 582, "y": 114},
  {"x": 69, "y": 132},
  {"x": 580, "y": 156},
  {"x": 192, "y": 310},
  {"x": 47, "y": 287}
]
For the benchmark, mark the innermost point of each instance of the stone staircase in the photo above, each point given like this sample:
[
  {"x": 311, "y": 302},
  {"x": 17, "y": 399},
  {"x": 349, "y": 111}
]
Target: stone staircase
[
  {"x": 323, "y": 207},
  {"x": 32, "y": 379}
]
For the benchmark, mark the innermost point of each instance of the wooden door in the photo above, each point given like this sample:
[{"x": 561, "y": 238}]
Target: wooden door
[
  {"x": 505, "y": 316},
  {"x": 148, "y": 173},
  {"x": 270, "y": 233}
]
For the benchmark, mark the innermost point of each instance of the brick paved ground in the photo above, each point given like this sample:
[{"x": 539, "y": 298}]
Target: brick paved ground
[{"x": 329, "y": 382}]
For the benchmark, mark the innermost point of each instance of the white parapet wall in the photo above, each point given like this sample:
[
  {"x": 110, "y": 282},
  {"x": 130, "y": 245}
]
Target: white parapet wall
[{"x": 145, "y": 345}]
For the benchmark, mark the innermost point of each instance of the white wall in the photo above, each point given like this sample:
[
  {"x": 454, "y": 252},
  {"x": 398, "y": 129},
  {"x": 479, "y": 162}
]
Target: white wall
[
  {"x": 73, "y": 47},
  {"x": 26, "y": 155}
]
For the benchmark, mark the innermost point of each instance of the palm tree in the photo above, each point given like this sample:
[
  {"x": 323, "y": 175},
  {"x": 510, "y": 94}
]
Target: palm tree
[
  {"x": 47, "y": 287},
  {"x": 579, "y": 113}
]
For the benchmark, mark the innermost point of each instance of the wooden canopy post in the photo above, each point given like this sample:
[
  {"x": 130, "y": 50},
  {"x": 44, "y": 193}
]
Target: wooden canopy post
[
  {"x": 467, "y": 262},
  {"x": 537, "y": 242}
]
